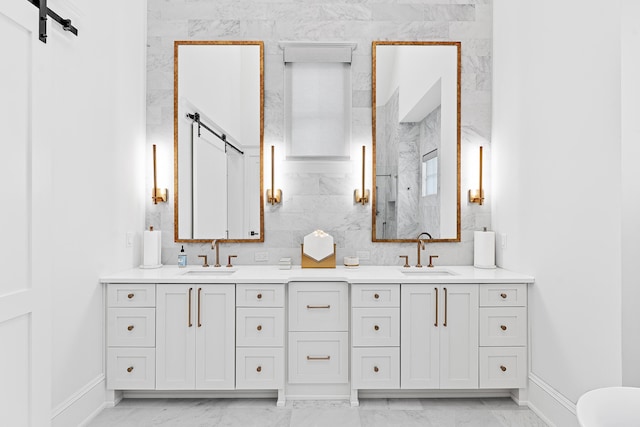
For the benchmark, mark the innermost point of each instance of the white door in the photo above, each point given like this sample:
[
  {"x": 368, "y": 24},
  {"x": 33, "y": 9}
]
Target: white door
[
  {"x": 25, "y": 352},
  {"x": 175, "y": 337},
  {"x": 459, "y": 337},
  {"x": 420, "y": 327},
  {"x": 215, "y": 332}
]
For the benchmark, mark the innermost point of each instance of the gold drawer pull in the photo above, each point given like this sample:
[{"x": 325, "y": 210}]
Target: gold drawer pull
[
  {"x": 130, "y": 368},
  {"x": 318, "y": 306},
  {"x": 131, "y": 296},
  {"x": 259, "y": 327},
  {"x": 130, "y": 328},
  {"x": 376, "y": 327},
  {"x": 375, "y": 369},
  {"x": 376, "y": 296},
  {"x": 503, "y": 327},
  {"x": 259, "y": 369},
  {"x": 318, "y": 357},
  {"x": 503, "y": 368},
  {"x": 503, "y": 295},
  {"x": 259, "y": 296}
]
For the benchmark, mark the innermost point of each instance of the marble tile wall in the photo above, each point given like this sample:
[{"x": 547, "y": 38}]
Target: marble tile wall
[{"x": 319, "y": 200}]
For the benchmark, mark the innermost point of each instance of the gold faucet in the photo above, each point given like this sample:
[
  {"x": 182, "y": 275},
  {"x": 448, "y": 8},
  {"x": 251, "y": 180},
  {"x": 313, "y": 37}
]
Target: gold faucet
[
  {"x": 204, "y": 262},
  {"x": 215, "y": 245},
  {"x": 421, "y": 246}
]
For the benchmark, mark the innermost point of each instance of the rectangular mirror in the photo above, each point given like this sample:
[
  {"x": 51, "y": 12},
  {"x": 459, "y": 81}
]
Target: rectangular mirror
[
  {"x": 218, "y": 138},
  {"x": 416, "y": 140}
]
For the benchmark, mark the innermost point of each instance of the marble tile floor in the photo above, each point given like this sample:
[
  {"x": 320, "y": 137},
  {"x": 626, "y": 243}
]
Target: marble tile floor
[{"x": 498, "y": 412}]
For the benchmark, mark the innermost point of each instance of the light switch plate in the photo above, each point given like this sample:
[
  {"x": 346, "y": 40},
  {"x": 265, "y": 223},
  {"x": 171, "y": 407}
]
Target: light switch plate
[
  {"x": 503, "y": 240},
  {"x": 129, "y": 239},
  {"x": 364, "y": 255}
]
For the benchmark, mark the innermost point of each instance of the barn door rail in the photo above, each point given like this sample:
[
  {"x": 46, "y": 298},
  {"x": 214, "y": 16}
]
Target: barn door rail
[{"x": 44, "y": 12}]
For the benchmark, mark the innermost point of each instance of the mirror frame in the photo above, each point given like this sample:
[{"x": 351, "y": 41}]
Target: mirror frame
[
  {"x": 176, "y": 44},
  {"x": 373, "y": 128}
]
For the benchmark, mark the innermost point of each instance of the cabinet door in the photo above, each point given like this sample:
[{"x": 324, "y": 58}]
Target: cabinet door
[
  {"x": 215, "y": 336},
  {"x": 175, "y": 337},
  {"x": 459, "y": 337},
  {"x": 419, "y": 337}
]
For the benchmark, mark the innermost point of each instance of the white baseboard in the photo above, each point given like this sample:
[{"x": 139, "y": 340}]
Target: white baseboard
[
  {"x": 550, "y": 405},
  {"x": 82, "y": 406}
]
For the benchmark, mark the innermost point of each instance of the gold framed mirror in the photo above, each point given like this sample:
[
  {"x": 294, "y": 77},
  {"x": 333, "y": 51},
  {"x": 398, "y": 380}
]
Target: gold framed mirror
[
  {"x": 416, "y": 140},
  {"x": 218, "y": 141}
]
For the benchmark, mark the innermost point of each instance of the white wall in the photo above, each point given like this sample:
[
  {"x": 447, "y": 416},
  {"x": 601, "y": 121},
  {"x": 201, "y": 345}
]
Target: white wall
[
  {"x": 95, "y": 111},
  {"x": 557, "y": 193},
  {"x": 631, "y": 201}
]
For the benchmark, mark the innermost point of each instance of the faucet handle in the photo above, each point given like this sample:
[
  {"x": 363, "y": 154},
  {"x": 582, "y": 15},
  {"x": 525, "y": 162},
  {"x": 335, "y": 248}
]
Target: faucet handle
[
  {"x": 204, "y": 263},
  {"x": 431, "y": 257},
  {"x": 229, "y": 260},
  {"x": 406, "y": 260}
]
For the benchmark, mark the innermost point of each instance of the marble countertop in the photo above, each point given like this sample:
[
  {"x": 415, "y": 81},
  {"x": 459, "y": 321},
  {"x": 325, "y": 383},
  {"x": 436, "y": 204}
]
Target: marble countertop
[{"x": 361, "y": 274}]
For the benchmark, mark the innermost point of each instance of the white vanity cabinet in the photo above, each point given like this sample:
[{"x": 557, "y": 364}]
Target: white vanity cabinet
[
  {"x": 439, "y": 336},
  {"x": 195, "y": 326},
  {"x": 131, "y": 336},
  {"x": 260, "y": 336},
  {"x": 503, "y": 336},
  {"x": 318, "y": 333},
  {"x": 375, "y": 336}
]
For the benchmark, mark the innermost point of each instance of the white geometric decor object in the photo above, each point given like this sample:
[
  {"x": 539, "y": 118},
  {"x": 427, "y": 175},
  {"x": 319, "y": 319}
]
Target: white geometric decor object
[{"x": 318, "y": 245}]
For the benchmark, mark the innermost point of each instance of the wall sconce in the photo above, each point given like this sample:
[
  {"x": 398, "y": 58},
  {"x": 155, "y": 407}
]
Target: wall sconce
[
  {"x": 273, "y": 195},
  {"x": 362, "y": 196},
  {"x": 477, "y": 196},
  {"x": 157, "y": 194}
]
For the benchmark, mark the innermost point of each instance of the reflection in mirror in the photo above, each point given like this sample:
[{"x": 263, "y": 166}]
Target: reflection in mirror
[
  {"x": 218, "y": 107},
  {"x": 416, "y": 139}
]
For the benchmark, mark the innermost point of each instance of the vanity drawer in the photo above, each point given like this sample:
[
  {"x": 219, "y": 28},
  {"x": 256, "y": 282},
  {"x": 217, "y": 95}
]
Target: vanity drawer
[
  {"x": 375, "y": 368},
  {"x": 376, "y": 327},
  {"x": 131, "y": 295},
  {"x": 318, "y": 357},
  {"x": 259, "y": 368},
  {"x": 260, "y": 295},
  {"x": 503, "y": 326},
  {"x": 375, "y": 295},
  {"x": 317, "y": 306},
  {"x": 503, "y": 295},
  {"x": 259, "y": 327},
  {"x": 131, "y": 368},
  {"x": 503, "y": 367},
  {"x": 131, "y": 327}
]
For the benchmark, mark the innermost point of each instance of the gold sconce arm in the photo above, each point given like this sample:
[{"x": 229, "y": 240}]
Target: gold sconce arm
[
  {"x": 157, "y": 194},
  {"x": 273, "y": 195},
  {"x": 362, "y": 196},
  {"x": 477, "y": 196}
]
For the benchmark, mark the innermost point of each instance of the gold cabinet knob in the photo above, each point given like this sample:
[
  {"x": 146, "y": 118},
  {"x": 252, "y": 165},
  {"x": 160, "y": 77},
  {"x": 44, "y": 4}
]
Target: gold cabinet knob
[
  {"x": 376, "y": 327},
  {"x": 376, "y": 296},
  {"x": 259, "y": 327},
  {"x": 130, "y": 368},
  {"x": 375, "y": 369},
  {"x": 131, "y": 296},
  {"x": 503, "y": 368},
  {"x": 259, "y": 296},
  {"x": 259, "y": 369},
  {"x": 503, "y": 327},
  {"x": 503, "y": 295},
  {"x": 130, "y": 328}
]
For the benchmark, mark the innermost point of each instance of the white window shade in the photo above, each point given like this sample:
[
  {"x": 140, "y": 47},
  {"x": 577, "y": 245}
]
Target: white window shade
[{"x": 318, "y": 101}]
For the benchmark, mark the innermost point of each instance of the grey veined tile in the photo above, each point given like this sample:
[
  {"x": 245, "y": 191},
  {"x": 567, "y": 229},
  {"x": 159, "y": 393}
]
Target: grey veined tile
[{"x": 323, "y": 417}]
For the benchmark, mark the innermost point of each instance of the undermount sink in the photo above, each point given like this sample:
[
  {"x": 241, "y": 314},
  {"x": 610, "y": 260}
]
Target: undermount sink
[
  {"x": 426, "y": 271},
  {"x": 210, "y": 271}
]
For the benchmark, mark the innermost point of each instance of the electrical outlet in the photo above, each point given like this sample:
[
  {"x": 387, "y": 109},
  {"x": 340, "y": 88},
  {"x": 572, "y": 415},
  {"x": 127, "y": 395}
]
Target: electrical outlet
[
  {"x": 503, "y": 240},
  {"x": 363, "y": 255},
  {"x": 129, "y": 239},
  {"x": 261, "y": 256}
]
